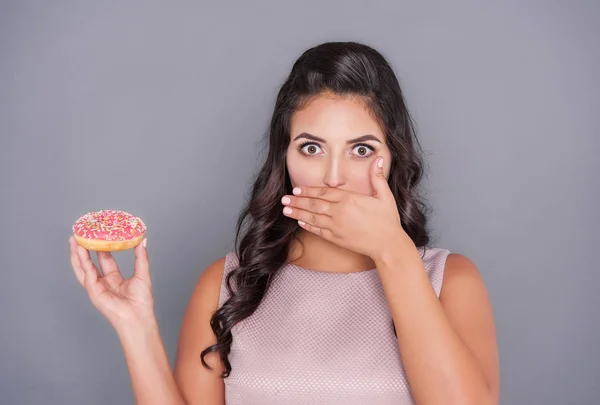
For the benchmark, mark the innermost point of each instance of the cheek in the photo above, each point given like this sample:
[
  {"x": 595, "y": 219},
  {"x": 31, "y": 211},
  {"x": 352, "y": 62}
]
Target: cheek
[
  {"x": 302, "y": 171},
  {"x": 359, "y": 180}
]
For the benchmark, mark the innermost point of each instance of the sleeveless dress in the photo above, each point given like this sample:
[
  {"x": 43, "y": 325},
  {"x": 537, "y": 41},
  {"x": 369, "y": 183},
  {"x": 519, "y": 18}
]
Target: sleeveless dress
[{"x": 320, "y": 338}]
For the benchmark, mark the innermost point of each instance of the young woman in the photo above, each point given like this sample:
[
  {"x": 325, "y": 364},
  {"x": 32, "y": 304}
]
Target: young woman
[{"x": 332, "y": 295}]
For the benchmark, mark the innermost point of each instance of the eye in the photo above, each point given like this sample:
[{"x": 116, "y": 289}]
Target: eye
[
  {"x": 310, "y": 148},
  {"x": 363, "y": 150}
]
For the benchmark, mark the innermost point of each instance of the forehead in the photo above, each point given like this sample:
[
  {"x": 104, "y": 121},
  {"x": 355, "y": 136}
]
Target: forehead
[{"x": 329, "y": 116}]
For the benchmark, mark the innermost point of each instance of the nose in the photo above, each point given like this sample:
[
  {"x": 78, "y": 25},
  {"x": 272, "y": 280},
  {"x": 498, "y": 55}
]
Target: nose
[{"x": 334, "y": 174}]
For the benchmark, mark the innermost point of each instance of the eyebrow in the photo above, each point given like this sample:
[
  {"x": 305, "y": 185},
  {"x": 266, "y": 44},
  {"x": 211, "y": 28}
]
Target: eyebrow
[{"x": 363, "y": 138}]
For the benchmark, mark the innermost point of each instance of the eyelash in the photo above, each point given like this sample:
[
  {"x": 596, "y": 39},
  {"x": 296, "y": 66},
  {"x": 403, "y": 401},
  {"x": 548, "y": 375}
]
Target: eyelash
[{"x": 355, "y": 146}]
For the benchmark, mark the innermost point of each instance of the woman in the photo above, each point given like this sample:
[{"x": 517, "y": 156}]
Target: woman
[{"x": 332, "y": 295}]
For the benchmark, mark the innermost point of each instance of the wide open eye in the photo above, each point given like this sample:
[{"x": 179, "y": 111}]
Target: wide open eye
[
  {"x": 310, "y": 148},
  {"x": 363, "y": 150}
]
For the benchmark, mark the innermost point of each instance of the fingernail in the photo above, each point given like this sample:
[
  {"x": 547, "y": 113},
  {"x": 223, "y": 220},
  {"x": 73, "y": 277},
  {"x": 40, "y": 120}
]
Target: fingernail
[
  {"x": 144, "y": 243},
  {"x": 296, "y": 190},
  {"x": 287, "y": 210},
  {"x": 285, "y": 200},
  {"x": 380, "y": 163}
]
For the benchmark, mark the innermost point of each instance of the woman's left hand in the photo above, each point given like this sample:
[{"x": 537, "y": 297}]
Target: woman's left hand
[{"x": 367, "y": 224}]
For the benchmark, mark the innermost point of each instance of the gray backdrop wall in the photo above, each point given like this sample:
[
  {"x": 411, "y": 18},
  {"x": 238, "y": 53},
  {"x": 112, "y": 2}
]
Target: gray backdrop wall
[{"x": 159, "y": 108}]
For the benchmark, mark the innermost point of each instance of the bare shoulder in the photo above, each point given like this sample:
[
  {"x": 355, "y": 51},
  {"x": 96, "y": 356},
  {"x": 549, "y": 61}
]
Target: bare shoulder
[
  {"x": 467, "y": 305},
  {"x": 462, "y": 284},
  {"x": 209, "y": 281},
  {"x": 197, "y": 384},
  {"x": 460, "y": 265}
]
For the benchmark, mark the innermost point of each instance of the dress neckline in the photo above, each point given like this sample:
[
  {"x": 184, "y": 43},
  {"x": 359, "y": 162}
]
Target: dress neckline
[
  {"x": 368, "y": 271},
  {"x": 330, "y": 272}
]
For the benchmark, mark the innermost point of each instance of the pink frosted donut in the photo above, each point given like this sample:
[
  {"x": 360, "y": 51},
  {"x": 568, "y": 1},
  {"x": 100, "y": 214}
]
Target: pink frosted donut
[{"x": 109, "y": 230}]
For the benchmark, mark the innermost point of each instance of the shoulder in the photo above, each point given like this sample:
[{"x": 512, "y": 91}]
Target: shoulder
[
  {"x": 209, "y": 282},
  {"x": 460, "y": 273},
  {"x": 206, "y": 294},
  {"x": 212, "y": 284},
  {"x": 212, "y": 276},
  {"x": 464, "y": 295},
  {"x": 449, "y": 270}
]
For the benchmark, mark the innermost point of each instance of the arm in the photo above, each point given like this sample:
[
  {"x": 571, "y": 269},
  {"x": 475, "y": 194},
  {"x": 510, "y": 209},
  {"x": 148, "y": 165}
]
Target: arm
[
  {"x": 128, "y": 305},
  {"x": 448, "y": 345},
  {"x": 149, "y": 368},
  {"x": 191, "y": 384},
  {"x": 197, "y": 384}
]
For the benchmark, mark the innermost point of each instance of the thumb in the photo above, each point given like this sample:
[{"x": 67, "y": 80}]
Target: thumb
[
  {"x": 141, "y": 264},
  {"x": 378, "y": 180}
]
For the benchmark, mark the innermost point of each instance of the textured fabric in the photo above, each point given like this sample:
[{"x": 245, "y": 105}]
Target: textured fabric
[{"x": 320, "y": 338}]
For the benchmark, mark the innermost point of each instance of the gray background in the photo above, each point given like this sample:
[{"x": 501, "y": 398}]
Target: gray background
[{"x": 158, "y": 108}]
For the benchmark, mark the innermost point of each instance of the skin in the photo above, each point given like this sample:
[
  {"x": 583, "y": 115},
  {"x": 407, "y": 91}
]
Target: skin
[
  {"x": 333, "y": 162},
  {"x": 348, "y": 223}
]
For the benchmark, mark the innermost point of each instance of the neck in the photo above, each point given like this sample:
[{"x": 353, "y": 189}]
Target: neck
[{"x": 313, "y": 252}]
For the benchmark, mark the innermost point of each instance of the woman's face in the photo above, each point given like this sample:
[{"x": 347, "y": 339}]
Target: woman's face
[{"x": 333, "y": 143}]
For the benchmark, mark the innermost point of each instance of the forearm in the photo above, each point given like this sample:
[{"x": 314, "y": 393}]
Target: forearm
[
  {"x": 440, "y": 368},
  {"x": 151, "y": 375}
]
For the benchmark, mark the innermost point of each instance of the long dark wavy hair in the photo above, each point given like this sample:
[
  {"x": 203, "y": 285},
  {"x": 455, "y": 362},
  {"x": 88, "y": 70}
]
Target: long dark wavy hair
[{"x": 264, "y": 234}]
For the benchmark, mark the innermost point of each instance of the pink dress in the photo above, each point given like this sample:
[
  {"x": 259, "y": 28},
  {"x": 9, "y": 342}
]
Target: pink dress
[{"x": 320, "y": 338}]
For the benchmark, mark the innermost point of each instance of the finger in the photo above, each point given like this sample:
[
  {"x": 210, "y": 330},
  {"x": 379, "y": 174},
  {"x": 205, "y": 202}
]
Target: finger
[
  {"x": 315, "y": 205},
  {"x": 89, "y": 269},
  {"x": 323, "y": 193},
  {"x": 318, "y": 220},
  {"x": 141, "y": 263},
  {"x": 80, "y": 276},
  {"x": 75, "y": 263},
  {"x": 324, "y": 233},
  {"x": 108, "y": 265},
  {"x": 380, "y": 185}
]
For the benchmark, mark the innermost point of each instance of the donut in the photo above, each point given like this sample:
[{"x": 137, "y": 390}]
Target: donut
[{"x": 109, "y": 230}]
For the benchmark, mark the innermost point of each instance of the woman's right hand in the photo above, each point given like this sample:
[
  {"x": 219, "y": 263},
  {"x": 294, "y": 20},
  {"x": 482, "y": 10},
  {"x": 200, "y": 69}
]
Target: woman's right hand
[{"x": 121, "y": 301}]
